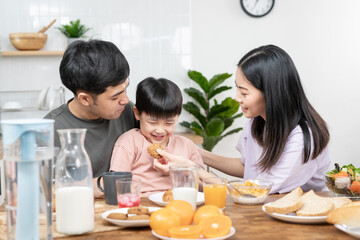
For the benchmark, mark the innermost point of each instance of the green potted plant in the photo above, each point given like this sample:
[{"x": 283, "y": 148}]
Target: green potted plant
[
  {"x": 212, "y": 119},
  {"x": 74, "y": 30}
]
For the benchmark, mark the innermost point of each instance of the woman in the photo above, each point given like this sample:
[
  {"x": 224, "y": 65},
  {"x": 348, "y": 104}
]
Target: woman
[{"x": 285, "y": 140}]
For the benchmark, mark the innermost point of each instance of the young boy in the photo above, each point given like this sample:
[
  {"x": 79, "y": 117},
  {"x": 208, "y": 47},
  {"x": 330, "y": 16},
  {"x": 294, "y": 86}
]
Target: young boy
[{"x": 158, "y": 106}]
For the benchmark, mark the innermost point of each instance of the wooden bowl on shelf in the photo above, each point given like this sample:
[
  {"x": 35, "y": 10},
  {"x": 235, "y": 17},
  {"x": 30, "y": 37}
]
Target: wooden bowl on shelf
[{"x": 28, "y": 41}]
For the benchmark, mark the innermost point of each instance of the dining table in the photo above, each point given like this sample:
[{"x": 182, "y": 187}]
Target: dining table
[{"x": 249, "y": 221}]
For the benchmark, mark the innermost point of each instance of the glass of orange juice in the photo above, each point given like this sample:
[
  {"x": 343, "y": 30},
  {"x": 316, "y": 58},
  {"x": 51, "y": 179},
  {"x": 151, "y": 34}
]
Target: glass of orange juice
[{"x": 215, "y": 191}]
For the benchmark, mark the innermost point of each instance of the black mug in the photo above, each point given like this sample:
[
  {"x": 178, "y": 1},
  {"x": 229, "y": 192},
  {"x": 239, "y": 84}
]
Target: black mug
[{"x": 110, "y": 186}]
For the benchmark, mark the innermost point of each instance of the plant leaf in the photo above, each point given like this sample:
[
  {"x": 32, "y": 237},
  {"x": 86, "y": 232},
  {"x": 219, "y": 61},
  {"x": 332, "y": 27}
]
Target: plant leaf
[
  {"x": 216, "y": 111},
  {"x": 74, "y": 29},
  {"x": 196, "y": 127},
  {"x": 237, "y": 115},
  {"x": 228, "y": 122},
  {"x": 195, "y": 111},
  {"x": 199, "y": 79},
  {"x": 195, "y": 124},
  {"x": 210, "y": 142},
  {"x": 185, "y": 124},
  {"x": 217, "y": 79},
  {"x": 233, "y": 107},
  {"x": 198, "y": 96},
  {"x": 232, "y": 131},
  {"x": 214, "y": 127},
  {"x": 213, "y": 92},
  {"x": 210, "y": 122}
]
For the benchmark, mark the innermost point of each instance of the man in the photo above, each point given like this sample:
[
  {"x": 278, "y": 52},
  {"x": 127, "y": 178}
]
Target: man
[{"x": 97, "y": 73}]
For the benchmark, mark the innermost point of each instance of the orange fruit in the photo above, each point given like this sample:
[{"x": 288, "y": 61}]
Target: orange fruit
[
  {"x": 186, "y": 232},
  {"x": 162, "y": 220},
  {"x": 183, "y": 209},
  {"x": 206, "y": 211},
  {"x": 216, "y": 226}
]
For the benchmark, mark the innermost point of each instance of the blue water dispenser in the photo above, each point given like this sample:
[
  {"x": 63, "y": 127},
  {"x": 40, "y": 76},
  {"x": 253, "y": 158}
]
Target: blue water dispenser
[{"x": 28, "y": 150}]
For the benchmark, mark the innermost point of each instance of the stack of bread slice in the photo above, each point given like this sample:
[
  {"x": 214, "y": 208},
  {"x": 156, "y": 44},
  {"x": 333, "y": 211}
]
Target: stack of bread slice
[{"x": 305, "y": 204}]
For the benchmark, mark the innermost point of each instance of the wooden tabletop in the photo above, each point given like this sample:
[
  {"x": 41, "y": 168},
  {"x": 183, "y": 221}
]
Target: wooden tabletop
[{"x": 250, "y": 222}]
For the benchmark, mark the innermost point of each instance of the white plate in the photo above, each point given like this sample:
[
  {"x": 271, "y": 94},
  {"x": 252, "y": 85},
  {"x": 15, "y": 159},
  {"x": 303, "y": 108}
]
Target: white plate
[
  {"x": 291, "y": 217},
  {"x": 157, "y": 198},
  {"x": 351, "y": 230},
  {"x": 127, "y": 223},
  {"x": 232, "y": 232}
]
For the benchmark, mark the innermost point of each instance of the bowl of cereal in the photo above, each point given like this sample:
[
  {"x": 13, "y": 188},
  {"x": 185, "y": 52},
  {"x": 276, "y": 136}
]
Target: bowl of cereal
[{"x": 249, "y": 192}]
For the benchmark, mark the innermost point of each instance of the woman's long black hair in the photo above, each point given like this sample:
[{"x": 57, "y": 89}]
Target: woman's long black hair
[{"x": 271, "y": 70}]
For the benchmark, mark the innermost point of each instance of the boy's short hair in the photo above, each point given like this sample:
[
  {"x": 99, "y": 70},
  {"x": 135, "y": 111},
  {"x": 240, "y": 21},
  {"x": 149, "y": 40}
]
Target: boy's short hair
[
  {"x": 92, "y": 66},
  {"x": 159, "y": 98}
]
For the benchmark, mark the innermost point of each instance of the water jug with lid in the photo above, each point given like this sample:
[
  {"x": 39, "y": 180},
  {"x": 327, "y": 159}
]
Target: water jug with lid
[{"x": 28, "y": 154}]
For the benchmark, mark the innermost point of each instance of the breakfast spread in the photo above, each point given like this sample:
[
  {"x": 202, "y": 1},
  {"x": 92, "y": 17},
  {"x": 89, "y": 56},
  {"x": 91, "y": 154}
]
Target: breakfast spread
[
  {"x": 117, "y": 216},
  {"x": 348, "y": 214},
  {"x": 152, "y": 150},
  {"x": 305, "y": 204},
  {"x": 175, "y": 221},
  {"x": 138, "y": 211},
  {"x": 257, "y": 192},
  {"x": 344, "y": 180},
  {"x": 138, "y": 217},
  {"x": 133, "y": 213},
  {"x": 250, "y": 192},
  {"x": 287, "y": 204},
  {"x": 167, "y": 197}
]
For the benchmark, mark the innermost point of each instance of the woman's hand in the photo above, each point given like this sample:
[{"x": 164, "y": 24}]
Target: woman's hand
[
  {"x": 171, "y": 159},
  {"x": 162, "y": 168}
]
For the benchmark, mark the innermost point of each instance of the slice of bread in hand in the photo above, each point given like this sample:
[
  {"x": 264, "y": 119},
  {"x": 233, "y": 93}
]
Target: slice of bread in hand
[
  {"x": 349, "y": 215},
  {"x": 287, "y": 204},
  {"x": 314, "y": 205}
]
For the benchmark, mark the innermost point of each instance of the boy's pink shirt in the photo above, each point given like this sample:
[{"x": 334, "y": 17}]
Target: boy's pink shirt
[{"x": 130, "y": 155}]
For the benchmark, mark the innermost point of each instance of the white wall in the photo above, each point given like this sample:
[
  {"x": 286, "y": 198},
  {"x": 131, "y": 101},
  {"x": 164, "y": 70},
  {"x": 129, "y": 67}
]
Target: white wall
[
  {"x": 322, "y": 37},
  {"x": 153, "y": 35}
]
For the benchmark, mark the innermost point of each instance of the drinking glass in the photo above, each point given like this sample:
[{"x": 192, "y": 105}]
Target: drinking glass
[
  {"x": 185, "y": 182},
  {"x": 215, "y": 191},
  {"x": 109, "y": 189},
  {"x": 128, "y": 192}
]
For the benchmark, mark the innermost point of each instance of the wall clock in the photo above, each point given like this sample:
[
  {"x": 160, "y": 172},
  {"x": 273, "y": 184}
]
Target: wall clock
[{"x": 257, "y": 8}]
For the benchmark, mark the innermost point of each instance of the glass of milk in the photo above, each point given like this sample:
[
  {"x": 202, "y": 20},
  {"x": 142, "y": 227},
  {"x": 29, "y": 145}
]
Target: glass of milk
[{"x": 185, "y": 182}]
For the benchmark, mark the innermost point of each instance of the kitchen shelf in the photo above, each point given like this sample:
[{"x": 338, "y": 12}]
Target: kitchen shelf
[
  {"x": 31, "y": 53},
  {"x": 193, "y": 137}
]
